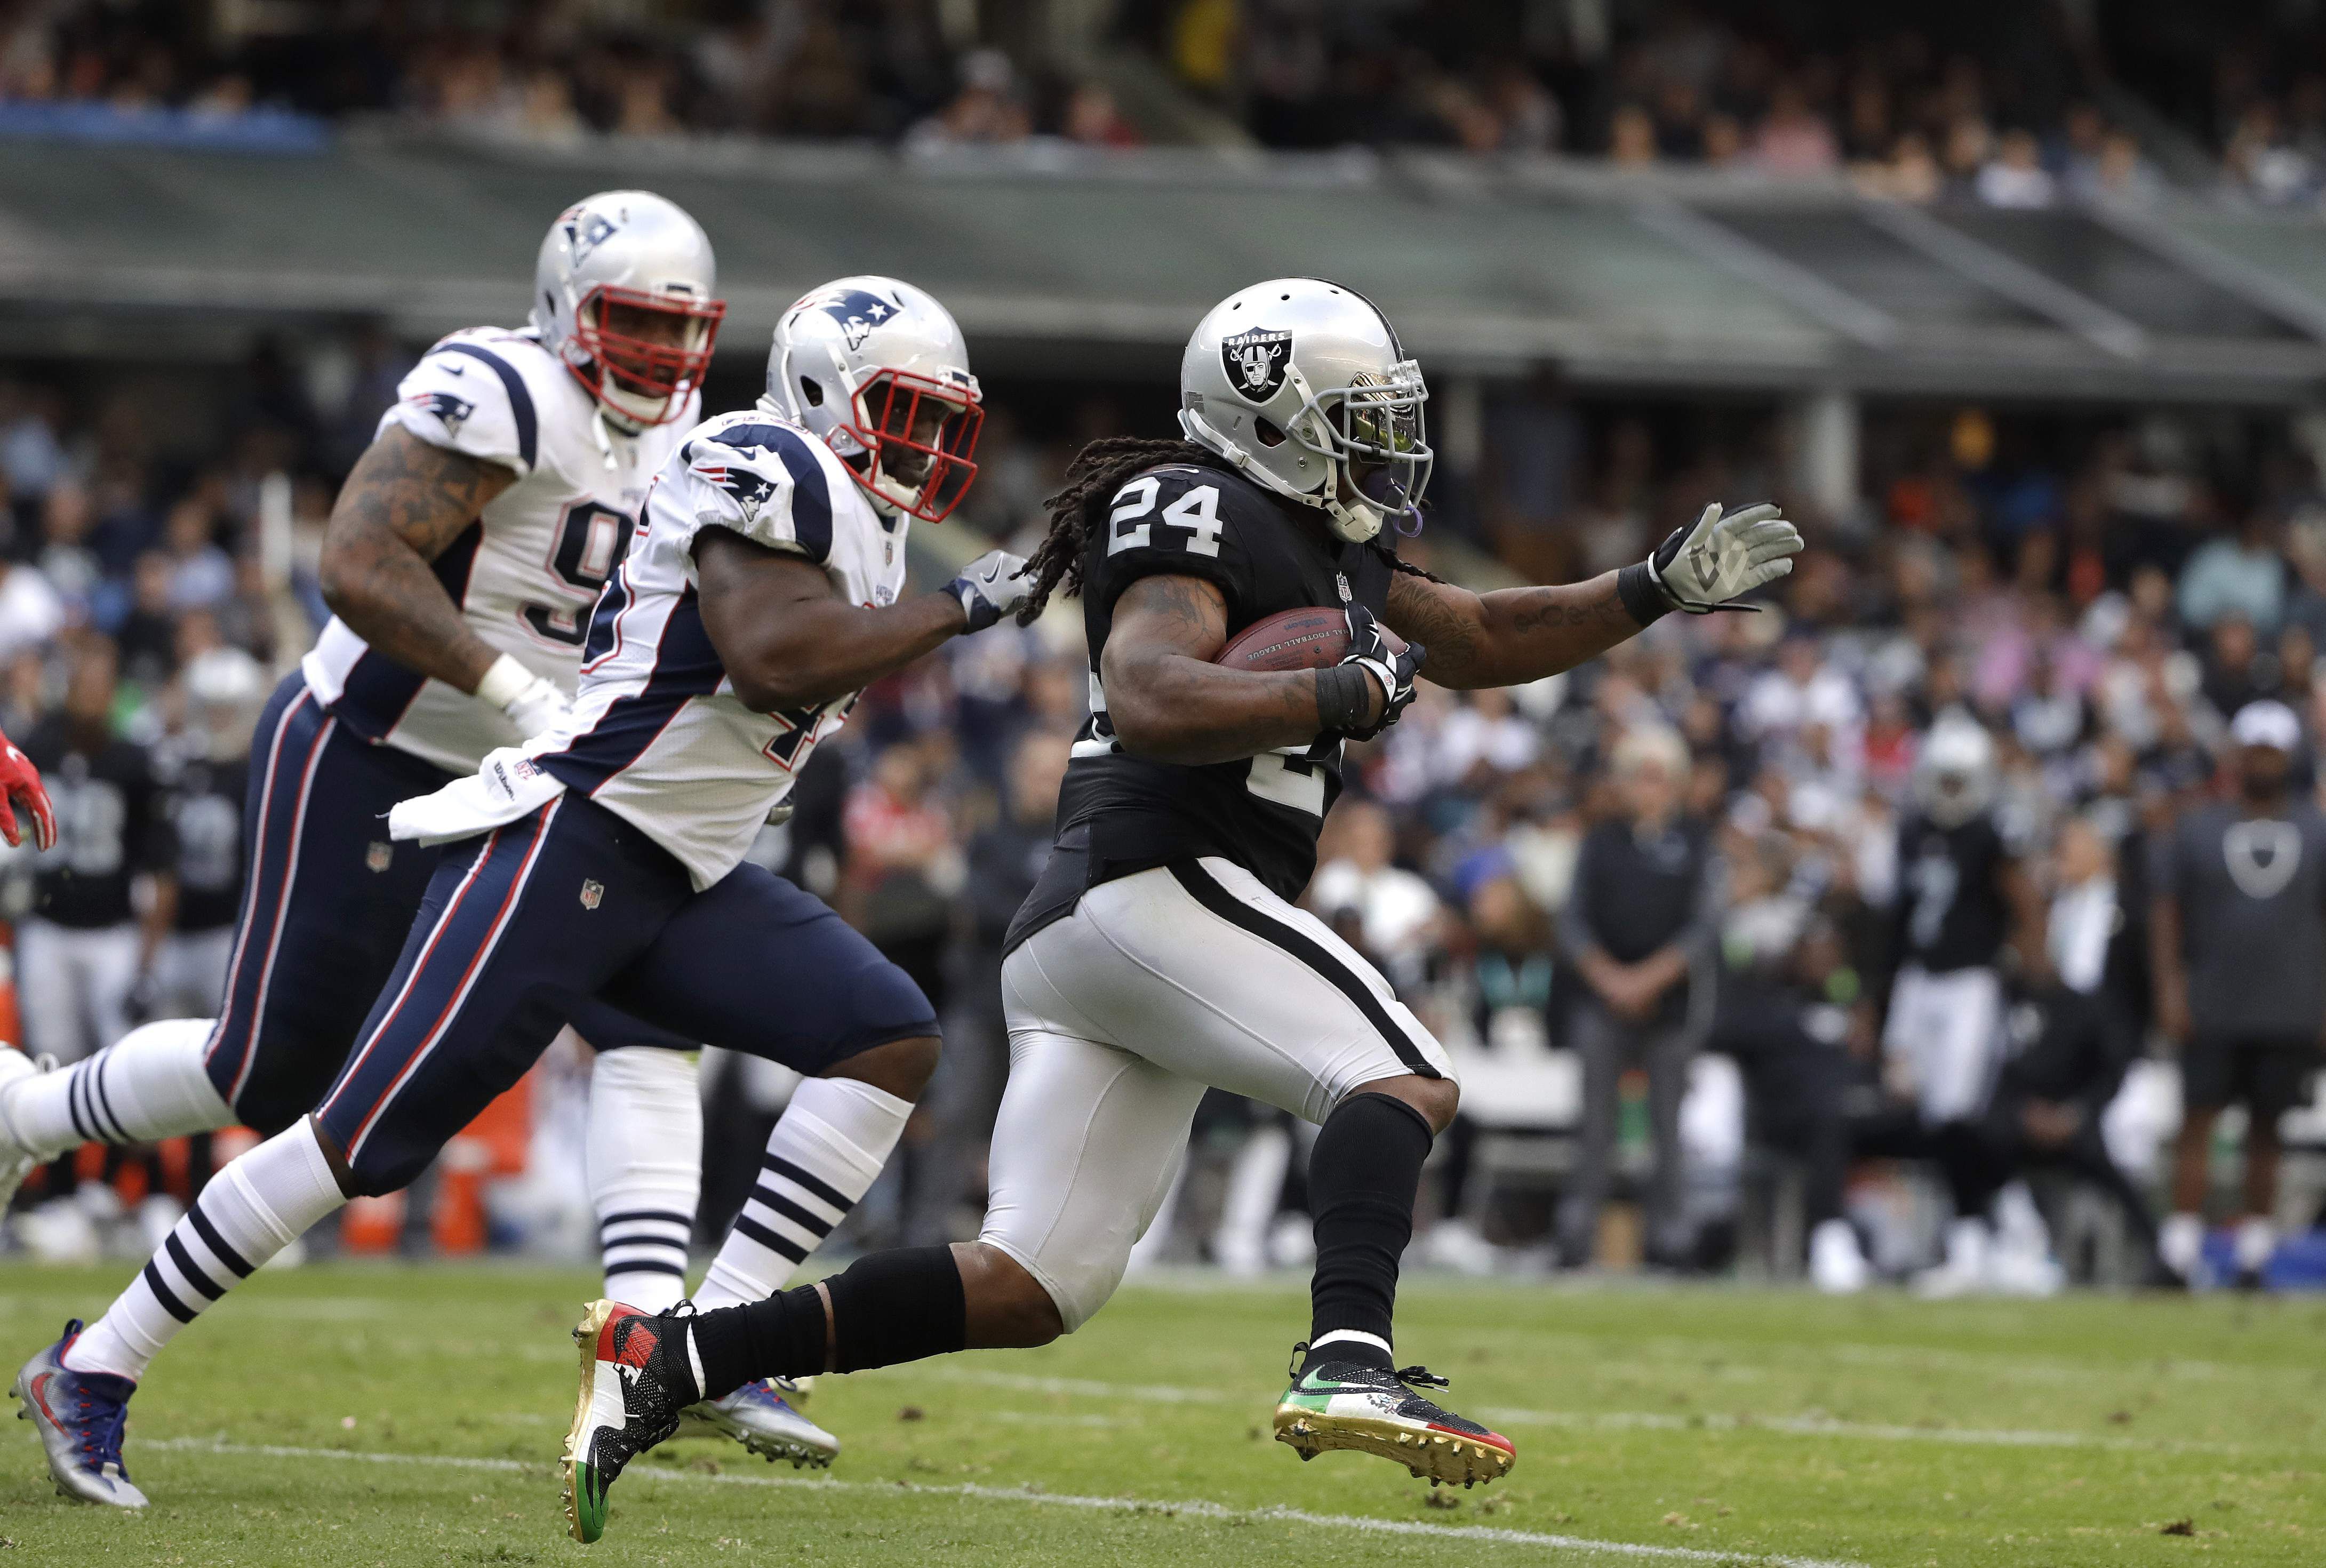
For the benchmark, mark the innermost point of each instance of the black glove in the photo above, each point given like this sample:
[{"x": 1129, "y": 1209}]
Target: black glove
[{"x": 1369, "y": 651}]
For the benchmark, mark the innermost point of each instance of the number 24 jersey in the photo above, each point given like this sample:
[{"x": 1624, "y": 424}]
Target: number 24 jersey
[{"x": 1265, "y": 555}]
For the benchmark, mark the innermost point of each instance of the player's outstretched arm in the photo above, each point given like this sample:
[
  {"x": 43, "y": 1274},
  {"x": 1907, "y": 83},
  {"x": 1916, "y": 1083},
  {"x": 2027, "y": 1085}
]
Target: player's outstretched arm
[
  {"x": 1524, "y": 634},
  {"x": 1511, "y": 636},
  {"x": 789, "y": 641},
  {"x": 1168, "y": 702},
  {"x": 403, "y": 504}
]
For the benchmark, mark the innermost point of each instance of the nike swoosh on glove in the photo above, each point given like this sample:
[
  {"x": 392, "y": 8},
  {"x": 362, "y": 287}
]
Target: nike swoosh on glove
[
  {"x": 1369, "y": 650},
  {"x": 1701, "y": 568},
  {"x": 20, "y": 787},
  {"x": 991, "y": 587}
]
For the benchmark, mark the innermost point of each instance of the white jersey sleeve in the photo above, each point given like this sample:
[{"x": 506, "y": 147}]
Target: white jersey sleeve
[
  {"x": 764, "y": 480},
  {"x": 467, "y": 398}
]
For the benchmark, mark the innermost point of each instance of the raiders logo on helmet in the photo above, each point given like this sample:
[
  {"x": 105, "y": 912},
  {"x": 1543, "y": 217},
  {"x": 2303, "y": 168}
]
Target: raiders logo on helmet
[{"x": 1255, "y": 361}]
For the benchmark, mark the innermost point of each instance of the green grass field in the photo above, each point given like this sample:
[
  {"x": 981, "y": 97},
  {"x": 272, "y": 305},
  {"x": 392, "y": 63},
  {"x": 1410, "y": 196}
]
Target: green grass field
[{"x": 360, "y": 1415}]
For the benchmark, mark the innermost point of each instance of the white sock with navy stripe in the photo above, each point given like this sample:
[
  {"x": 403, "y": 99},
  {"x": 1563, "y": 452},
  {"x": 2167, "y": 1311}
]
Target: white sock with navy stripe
[
  {"x": 151, "y": 1085},
  {"x": 645, "y": 1156},
  {"x": 252, "y": 1209},
  {"x": 830, "y": 1144}
]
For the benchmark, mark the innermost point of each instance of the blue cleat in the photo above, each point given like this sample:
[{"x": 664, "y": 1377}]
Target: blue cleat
[
  {"x": 758, "y": 1416},
  {"x": 80, "y": 1417}
]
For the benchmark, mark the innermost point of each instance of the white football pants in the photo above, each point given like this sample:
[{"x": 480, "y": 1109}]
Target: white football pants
[
  {"x": 73, "y": 987},
  {"x": 1948, "y": 1028},
  {"x": 1157, "y": 987}
]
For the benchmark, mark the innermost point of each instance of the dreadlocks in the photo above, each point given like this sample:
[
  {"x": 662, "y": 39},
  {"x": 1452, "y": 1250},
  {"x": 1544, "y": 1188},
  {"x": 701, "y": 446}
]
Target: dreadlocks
[{"x": 1097, "y": 472}]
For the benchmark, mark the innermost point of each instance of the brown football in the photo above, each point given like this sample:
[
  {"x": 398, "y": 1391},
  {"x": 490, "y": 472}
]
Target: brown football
[{"x": 1294, "y": 639}]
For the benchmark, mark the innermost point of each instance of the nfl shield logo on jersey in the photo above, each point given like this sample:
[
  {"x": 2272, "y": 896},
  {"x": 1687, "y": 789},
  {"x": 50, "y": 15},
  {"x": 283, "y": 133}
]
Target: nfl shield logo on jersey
[
  {"x": 378, "y": 856},
  {"x": 1255, "y": 361},
  {"x": 593, "y": 892}
]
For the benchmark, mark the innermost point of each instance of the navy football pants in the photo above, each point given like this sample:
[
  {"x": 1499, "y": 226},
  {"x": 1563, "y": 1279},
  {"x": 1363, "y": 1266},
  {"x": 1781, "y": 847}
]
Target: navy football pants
[
  {"x": 573, "y": 903},
  {"x": 327, "y": 900}
]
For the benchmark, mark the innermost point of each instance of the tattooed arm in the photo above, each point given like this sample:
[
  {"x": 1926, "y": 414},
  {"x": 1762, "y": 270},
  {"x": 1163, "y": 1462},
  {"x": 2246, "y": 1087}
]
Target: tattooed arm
[
  {"x": 1168, "y": 702},
  {"x": 405, "y": 502},
  {"x": 1508, "y": 636}
]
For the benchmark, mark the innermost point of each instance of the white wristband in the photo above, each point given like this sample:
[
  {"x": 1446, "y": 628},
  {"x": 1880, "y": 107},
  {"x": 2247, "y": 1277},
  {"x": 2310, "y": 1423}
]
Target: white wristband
[{"x": 504, "y": 683}]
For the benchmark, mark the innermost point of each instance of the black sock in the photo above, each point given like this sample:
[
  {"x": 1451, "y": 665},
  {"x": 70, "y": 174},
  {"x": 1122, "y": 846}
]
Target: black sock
[
  {"x": 780, "y": 1337},
  {"x": 1363, "y": 1176},
  {"x": 886, "y": 1307}
]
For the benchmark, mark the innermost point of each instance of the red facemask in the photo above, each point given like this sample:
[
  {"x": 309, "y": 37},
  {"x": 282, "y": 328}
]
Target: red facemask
[
  {"x": 920, "y": 432},
  {"x": 637, "y": 366}
]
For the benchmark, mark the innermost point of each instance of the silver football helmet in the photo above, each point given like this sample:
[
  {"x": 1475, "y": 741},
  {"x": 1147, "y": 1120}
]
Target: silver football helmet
[
  {"x": 1303, "y": 385},
  {"x": 1955, "y": 776},
  {"x": 879, "y": 369},
  {"x": 611, "y": 261}
]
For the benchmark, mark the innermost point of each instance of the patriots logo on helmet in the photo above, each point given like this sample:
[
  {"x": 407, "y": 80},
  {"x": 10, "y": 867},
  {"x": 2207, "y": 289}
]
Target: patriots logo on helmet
[
  {"x": 1255, "y": 360},
  {"x": 749, "y": 489},
  {"x": 857, "y": 312},
  {"x": 449, "y": 410},
  {"x": 586, "y": 232}
]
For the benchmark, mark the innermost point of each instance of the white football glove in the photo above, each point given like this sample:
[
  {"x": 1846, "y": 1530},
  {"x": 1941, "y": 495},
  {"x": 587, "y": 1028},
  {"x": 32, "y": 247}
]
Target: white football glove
[
  {"x": 534, "y": 703},
  {"x": 991, "y": 587},
  {"x": 1701, "y": 568}
]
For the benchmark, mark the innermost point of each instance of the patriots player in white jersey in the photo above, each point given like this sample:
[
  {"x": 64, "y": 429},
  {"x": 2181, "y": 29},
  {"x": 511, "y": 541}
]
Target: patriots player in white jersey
[
  {"x": 464, "y": 557},
  {"x": 602, "y": 861}
]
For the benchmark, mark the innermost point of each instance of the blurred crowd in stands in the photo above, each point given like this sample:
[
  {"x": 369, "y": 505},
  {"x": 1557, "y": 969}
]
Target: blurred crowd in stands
[
  {"x": 553, "y": 74},
  {"x": 2097, "y": 598},
  {"x": 2015, "y": 106}
]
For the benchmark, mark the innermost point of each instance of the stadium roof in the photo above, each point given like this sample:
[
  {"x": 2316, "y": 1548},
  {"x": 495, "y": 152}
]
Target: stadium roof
[{"x": 1051, "y": 255}]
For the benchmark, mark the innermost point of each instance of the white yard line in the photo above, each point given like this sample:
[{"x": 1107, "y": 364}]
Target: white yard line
[
  {"x": 1615, "y": 1420},
  {"x": 1193, "y": 1509}
]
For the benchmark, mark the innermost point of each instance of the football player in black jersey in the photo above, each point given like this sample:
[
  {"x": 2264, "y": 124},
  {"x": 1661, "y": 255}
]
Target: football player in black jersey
[
  {"x": 1160, "y": 953},
  {"x": 1963, "y": 897}
]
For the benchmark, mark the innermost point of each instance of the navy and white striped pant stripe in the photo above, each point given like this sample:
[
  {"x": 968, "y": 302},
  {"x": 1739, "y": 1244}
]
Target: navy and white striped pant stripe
[
  {"x": 202, "y": 1267},
  {"x": 645, "y": 1241},
  {"x": 436, "y": 982},
  {"x": 790, "y": 1212},
  {"x": 278, "y": 809}
]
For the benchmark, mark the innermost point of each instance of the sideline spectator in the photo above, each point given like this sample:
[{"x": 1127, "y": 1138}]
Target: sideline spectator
[
  {"x": 1636, "y": 922},
  {"x": 2238, "y": 923}
]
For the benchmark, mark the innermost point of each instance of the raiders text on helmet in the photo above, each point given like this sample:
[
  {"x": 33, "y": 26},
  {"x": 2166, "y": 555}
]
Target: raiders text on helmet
[
  {"x": 1302, "y": 384},
  {"x": 607, "y": 259},
  {"x": 879, "y": 369}
]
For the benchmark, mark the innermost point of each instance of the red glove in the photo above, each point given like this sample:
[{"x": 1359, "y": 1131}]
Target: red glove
[{"x": 20, "y": 785}]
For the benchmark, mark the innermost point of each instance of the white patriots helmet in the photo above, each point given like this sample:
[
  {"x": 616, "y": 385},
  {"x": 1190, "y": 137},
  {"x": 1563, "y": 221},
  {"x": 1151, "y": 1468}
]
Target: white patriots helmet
[
  {"x": 1301, "y": 382},
  {"x": 1955, "y": 775},
  {"x": 631, "y": 252},
  {"x": 879, "y": 369}
]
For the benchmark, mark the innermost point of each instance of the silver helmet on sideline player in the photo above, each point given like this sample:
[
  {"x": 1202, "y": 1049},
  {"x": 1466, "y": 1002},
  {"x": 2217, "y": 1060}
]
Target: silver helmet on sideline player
[
  {"x": 1955, "y": 775},
  {"x": 879, "y": 369},
  {"x": 1302, "y": 384},
  {"x": 625, "y": 293}
]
